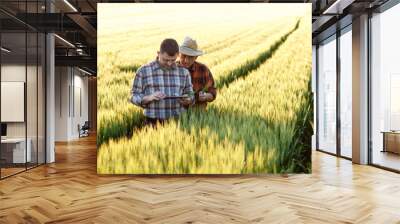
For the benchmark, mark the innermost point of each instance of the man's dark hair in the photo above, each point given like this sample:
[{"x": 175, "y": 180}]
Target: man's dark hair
[{"x": 170, "y": 46}]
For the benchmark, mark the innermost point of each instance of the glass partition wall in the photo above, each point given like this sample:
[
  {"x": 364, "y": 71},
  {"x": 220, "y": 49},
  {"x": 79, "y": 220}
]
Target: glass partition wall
[
  {"x": 13, "y": 88},
  {"x": 334, "y": 90},
  {"x": 327, "y": 95},
  {"x": 385, "y": 89},
  {"x": 334, "y": 94},
  {"x": 22, "y": 98}
]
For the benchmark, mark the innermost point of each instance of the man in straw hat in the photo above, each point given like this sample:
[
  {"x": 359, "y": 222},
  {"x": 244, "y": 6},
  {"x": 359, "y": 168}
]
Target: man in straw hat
[
  {"x": 202, "y": 79},
  {"x": 161, "y": 87}
]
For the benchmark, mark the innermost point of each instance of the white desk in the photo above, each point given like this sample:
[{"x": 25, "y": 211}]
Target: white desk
[
  {"x": 18, "y": 150},
  {"x": 391, "y": 141}
]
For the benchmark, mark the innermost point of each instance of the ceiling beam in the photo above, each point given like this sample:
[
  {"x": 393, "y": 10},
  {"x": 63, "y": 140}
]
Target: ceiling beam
[
  {"x": 84, "y": 24},
  {"x": 338, "y": 6},
  {"x": 77, "y": 61}
]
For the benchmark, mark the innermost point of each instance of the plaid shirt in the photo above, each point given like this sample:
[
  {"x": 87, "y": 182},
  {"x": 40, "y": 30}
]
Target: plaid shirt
[
  {"x": 202, "y": 79},
  {"x": 173, "y": 82}
]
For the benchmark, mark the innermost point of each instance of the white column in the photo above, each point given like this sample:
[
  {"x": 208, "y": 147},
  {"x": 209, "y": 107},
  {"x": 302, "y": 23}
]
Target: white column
[
  {"x": 50, "y": 94},
  {"x": 360, "y": 90}
]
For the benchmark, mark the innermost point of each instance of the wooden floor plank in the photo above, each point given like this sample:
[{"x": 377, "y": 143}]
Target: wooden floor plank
[{"x": 70, "y": 191}]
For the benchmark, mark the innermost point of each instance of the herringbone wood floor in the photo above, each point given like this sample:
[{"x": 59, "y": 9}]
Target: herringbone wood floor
[{"x": 70, "y": 191}]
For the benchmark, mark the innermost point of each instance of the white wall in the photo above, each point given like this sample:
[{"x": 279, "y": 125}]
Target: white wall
[
  {"x": 70, "y": 84},
  {"x": 81, "y": 82},
  {"x": 62, "y": 81},
  {"x": 12, "y": 73},
  {"x": 13, "y": 101}
]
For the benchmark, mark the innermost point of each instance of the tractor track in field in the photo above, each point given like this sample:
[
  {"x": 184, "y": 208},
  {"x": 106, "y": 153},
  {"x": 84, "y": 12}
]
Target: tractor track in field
[{"x": 251, "y": 65}]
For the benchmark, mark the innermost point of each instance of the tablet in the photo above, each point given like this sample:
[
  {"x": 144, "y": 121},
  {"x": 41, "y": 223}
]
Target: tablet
[{"x": 176, "y": 97}]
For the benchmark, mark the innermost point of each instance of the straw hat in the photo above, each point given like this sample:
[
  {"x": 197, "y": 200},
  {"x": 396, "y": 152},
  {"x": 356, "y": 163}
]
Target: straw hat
[{"x": 189, "y": 47}]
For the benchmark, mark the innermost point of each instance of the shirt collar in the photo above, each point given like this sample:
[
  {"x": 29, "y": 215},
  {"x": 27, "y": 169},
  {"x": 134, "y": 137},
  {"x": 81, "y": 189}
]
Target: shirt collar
[{"x": 193, "y": 66}]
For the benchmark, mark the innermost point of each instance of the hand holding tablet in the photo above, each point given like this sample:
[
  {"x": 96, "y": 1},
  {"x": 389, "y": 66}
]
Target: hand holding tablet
[{"x": 176, "y": 97}]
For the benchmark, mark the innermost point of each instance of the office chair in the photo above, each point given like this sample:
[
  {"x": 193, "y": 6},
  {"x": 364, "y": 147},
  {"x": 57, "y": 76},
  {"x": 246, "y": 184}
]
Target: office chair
[{"x": 84, "y": 130}]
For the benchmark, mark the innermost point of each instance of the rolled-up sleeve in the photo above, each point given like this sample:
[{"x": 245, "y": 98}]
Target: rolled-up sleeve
[
  {"x": 137, "y": 92},
  {"x": 210, "y": 84},
  {"x": 188, "y": 89}
]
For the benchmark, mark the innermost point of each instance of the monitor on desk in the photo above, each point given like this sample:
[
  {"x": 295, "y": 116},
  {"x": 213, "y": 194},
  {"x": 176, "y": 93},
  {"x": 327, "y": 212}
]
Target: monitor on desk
[{"x": 3, "y": 130}]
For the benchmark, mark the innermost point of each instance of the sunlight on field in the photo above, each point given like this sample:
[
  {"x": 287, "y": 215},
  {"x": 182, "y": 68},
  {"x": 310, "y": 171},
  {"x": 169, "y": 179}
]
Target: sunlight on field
[{"x": 261, "y": 60}]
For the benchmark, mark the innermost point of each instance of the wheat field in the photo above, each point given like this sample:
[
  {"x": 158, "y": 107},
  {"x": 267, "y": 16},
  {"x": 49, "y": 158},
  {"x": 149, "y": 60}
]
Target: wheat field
[{"x": 261, "y": 120}]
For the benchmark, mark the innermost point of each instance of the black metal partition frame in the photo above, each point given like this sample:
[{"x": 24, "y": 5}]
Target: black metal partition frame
[
  {"x": 339, "y": 32},
  {"x": 34, "y": 49}
]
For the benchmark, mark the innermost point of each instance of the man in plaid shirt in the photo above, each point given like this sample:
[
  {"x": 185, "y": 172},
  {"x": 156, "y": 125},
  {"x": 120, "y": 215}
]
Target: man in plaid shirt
[
  {"x": 202, "y": 79},
  {"x": 158, "y": 84}
]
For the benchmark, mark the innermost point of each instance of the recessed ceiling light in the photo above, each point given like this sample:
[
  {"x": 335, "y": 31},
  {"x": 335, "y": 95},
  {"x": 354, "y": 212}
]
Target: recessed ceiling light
[
  {"x": 64, "y": 40},
  {"x": 86, "y": 72},
  {"x": 338, "y": 6},
  {"x": 5, "y": 50},
  {"x": 70, "y": 5}
]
